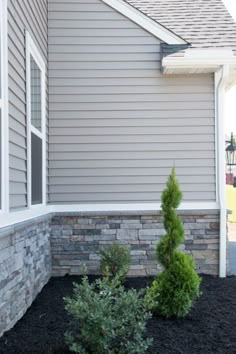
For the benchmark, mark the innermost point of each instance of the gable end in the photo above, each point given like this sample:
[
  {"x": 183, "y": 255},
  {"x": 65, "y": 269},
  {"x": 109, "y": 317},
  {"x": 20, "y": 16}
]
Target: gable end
[{"x": 159, "y": 31}]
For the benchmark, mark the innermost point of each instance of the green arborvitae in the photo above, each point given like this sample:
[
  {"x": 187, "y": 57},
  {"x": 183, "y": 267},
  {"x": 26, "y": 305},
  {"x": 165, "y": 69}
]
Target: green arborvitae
[{"x": 174, "y": 290}]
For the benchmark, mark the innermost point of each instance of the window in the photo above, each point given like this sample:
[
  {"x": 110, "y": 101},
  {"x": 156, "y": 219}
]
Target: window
[
  {"x": 35, "y": 69},
  {"x": 4, "y": 195}
]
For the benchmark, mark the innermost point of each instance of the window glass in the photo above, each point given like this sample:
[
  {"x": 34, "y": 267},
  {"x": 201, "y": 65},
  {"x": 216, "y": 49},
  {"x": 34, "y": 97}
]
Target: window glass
[
  {"x": 35, "y": 123},
  {"x": 36, "y": 169},
  {"x": 35, "y": 83}
]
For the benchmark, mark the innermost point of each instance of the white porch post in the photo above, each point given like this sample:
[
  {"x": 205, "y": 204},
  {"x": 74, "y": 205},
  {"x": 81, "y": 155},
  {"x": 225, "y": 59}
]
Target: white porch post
[{"x": 220, "y": 83}]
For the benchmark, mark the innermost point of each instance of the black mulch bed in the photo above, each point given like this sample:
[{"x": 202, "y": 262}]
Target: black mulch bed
[{"x": 209, "y": 328}]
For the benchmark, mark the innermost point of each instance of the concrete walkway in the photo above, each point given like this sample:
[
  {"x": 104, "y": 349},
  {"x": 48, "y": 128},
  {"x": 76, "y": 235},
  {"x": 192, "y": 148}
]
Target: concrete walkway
[{"x": 232, "y": 247}]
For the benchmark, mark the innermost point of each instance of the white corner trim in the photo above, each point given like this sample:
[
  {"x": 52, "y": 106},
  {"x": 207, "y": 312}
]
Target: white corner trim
[
  {"x": 217, "y": 78},
  {"x": 220, "y": 84},
  {"x": 33, "y": 212},
  {"x": 4, "y": 159},
  {"x": 32, "y": 50},
  {"x": 28, "y": 44},
  {"x": 145, "y": 22}
]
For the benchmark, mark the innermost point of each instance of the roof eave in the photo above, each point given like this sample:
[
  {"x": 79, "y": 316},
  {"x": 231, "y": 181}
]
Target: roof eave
[{"x": 197, "y": 61}]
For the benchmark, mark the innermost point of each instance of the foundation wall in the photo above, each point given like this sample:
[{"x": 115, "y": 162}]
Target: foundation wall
[
  {"x": 60, "y": 244},
  {"x": 76, "y": 240},
  {"x": 25, "y": 267}
]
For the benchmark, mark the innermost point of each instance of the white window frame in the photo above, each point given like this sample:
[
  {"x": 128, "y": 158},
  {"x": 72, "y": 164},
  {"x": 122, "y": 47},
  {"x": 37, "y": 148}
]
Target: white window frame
[
  {"x": 32, "y": 50},
  {"x": 4, "y": 139}
]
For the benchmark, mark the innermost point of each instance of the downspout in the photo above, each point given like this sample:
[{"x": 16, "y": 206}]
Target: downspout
[{"x": 221, "y": 78}]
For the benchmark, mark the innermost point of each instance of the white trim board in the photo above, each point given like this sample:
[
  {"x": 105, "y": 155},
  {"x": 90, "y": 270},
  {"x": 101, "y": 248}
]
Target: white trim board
[
  {"x": 145, "y": 22},
  {"x": 129, "y": 207},
  {"x": 28, "y": 214},
  {"x": 220, "y": 84},
  {"x": 202, "y": 60},
  {"x": 4, "y": 159},
  {"x": 32, "y": 50}
]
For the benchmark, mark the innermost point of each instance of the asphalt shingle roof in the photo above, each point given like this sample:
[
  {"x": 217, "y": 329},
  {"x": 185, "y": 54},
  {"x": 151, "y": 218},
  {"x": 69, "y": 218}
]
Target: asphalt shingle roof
[{"x": 202, "y": 23}]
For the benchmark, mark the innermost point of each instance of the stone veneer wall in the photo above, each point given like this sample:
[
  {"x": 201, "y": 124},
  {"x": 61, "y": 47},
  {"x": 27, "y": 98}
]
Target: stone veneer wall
[
  {"x": 25, "y": 267},
  {"x": 76, "y": 239},
  {"x": 32, "y": 251}
]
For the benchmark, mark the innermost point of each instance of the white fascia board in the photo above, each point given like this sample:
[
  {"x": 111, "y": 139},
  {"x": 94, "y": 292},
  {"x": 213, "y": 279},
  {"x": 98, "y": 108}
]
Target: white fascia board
[
  {"x": 15, "y": 217},
  {"x": 145, "y": 22},
  {"x": 211, "y": 59},
  {"x": 209, "y": 53},
  {"x": 190, "y": 62}
]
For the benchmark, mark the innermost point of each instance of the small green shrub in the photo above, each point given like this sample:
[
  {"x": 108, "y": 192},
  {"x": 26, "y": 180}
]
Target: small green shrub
[
  {"x": 173, "y": 291},
  {"x": 115, "y": 259},
  {"x": 106, "y": 319}
]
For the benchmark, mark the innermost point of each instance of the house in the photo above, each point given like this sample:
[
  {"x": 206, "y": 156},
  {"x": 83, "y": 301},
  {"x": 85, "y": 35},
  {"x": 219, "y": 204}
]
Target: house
[{"x": 99, "y": 99}]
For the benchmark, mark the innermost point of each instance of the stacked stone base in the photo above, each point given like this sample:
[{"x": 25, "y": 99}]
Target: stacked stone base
[
  {"x": 76, "y": 240},
  {"x": 25, "y": 267},
  {"x": 62, "y": 244}
]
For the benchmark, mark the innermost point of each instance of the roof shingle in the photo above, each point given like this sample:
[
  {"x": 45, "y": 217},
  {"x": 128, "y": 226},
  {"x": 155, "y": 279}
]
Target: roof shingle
[{"x": 202, "y": 23}]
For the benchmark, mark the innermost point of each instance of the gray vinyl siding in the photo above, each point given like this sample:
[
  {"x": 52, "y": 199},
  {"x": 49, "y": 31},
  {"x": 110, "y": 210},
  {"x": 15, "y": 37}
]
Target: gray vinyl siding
[
  {"x": 31, "y": 16},
  {"x": 117, "y": 125}
]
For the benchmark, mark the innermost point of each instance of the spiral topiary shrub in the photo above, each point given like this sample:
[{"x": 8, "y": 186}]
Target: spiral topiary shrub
[{"x": 173, "y": 291}]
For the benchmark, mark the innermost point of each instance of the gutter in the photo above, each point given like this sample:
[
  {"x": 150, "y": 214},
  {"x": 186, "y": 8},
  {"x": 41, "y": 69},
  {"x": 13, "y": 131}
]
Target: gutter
[
  {"x": 221, "y": 78},
  {"x": 209, "y": 60}
]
